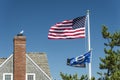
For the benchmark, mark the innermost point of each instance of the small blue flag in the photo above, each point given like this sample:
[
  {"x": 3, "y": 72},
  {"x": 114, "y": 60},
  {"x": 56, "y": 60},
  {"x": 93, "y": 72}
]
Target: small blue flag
[{"x": 82, "y": 59}]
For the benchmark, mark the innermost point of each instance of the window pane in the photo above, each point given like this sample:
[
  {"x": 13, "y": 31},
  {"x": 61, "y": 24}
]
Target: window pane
[
  {"x": 30, "y": 77},
  {"x": 7, "y": 77}
]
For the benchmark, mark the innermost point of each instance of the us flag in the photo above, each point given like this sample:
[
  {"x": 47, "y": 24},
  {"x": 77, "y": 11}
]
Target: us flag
[{"x": 68, "y": 29}]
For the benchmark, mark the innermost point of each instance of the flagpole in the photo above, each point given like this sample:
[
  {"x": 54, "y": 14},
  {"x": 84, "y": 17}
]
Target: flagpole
[{"x": 89, "y": 45}]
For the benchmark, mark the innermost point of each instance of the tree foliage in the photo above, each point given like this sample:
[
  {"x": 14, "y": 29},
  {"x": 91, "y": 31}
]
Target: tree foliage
[
  {"x": 111, "y": 62},
  {"x": 74, "y": 77}
]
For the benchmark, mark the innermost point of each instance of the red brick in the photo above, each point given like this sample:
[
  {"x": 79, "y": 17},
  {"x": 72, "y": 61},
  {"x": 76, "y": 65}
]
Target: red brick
[{"x": 19, "y": 58}]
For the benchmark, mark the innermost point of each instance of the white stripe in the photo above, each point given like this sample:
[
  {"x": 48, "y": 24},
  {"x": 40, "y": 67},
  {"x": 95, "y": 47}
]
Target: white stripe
[
  {"x": 55, "y": 27},
  {"x": 66, "y": 21},
  {"x": 60, "y": 24},
  {"x": 80, "y": 32},
  {"x": 72, "y": 30}
]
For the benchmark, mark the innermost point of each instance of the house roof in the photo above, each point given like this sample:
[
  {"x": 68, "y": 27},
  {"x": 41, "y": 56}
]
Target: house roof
[
  {"x": 2, "y": 60},
  {"x": 39, "y": 58}
]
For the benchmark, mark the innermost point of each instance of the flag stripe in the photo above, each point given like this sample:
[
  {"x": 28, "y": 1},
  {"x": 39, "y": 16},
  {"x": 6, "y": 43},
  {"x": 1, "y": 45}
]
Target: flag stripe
[
  {"x": 70, "y": 37},
  {"x": 81, "y": 32},
  {"x": 67, "y": 33},
  {"x": 64, "y": 30}
]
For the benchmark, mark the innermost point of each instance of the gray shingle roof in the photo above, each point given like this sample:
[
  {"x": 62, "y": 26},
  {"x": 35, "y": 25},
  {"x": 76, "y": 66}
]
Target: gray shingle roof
[
  {"x": 2, "y": 60},
  {"x": 41, "y": 60}
]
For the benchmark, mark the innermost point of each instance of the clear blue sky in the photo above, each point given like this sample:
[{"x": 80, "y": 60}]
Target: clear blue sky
[{"x": 35, "y": 17}]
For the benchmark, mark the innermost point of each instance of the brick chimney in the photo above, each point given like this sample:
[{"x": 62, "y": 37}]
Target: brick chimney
[{"x": 19, "y": 57}]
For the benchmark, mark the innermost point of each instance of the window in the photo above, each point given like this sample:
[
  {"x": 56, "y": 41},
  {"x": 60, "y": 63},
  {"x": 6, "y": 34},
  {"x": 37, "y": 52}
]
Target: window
[
  {"x": 7, "y": 76},
  {"x": 30, "y": 76}
]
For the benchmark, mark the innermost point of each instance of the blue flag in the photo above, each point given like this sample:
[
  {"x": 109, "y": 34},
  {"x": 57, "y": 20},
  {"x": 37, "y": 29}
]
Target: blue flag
[{"x": 82, "y": 59}]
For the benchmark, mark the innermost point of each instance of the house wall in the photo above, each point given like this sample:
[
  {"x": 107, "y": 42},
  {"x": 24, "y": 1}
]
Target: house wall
[
  {"x": 30, "y": 68},
  {"x": 6, "y": 68}
]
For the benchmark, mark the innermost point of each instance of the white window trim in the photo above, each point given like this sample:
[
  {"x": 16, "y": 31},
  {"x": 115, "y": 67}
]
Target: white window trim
[
  {"x": 7, "y": 74},
  {"x": 30, "y": 74}
]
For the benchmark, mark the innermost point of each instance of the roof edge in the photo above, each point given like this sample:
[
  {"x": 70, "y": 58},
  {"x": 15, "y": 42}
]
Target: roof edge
[
  {"x": 38, "y": 67},
  {"x": 6, "y": 60}
]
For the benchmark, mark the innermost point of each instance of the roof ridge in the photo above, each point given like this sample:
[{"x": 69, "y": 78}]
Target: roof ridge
[{"x": 36, "y": 53}]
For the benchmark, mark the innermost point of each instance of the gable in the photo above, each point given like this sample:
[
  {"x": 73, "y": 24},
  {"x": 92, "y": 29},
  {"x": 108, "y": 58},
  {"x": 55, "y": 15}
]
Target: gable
[
  {"x": 41, "y": 60},
  {"x": 35, "y": 62},
  {"x": 2, "y": 60},
  {"x": 32, "y": 67},
  {"x": 6, "y": 66}
]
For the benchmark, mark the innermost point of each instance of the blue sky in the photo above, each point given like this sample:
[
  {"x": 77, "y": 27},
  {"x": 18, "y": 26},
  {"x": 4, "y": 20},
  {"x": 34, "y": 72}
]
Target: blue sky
[{"x": 36, "y": 17}]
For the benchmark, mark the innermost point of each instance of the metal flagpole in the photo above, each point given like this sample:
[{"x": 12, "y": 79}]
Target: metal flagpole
[{"x": 89, "y": 45}]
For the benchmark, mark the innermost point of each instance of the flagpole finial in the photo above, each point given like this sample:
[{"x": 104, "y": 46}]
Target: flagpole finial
[{"x": 88, "y": 11}]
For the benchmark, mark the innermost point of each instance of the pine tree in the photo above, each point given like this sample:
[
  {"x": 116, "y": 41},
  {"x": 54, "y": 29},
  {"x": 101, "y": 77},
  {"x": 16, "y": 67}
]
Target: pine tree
[
  {"x": 111, "y": 62},
  {"x": 74, "y": 77}
]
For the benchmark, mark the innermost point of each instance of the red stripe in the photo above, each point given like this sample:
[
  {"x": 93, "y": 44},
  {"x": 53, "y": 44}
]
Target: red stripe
[
  {"x": 60, "y": 29},
  {"x": 57, "y": 35},
  {"x": 66, "y": 38}
]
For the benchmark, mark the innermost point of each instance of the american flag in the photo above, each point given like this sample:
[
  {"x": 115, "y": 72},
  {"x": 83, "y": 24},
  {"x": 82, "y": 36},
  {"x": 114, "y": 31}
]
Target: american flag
[{"x": 68, "y": 29}]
